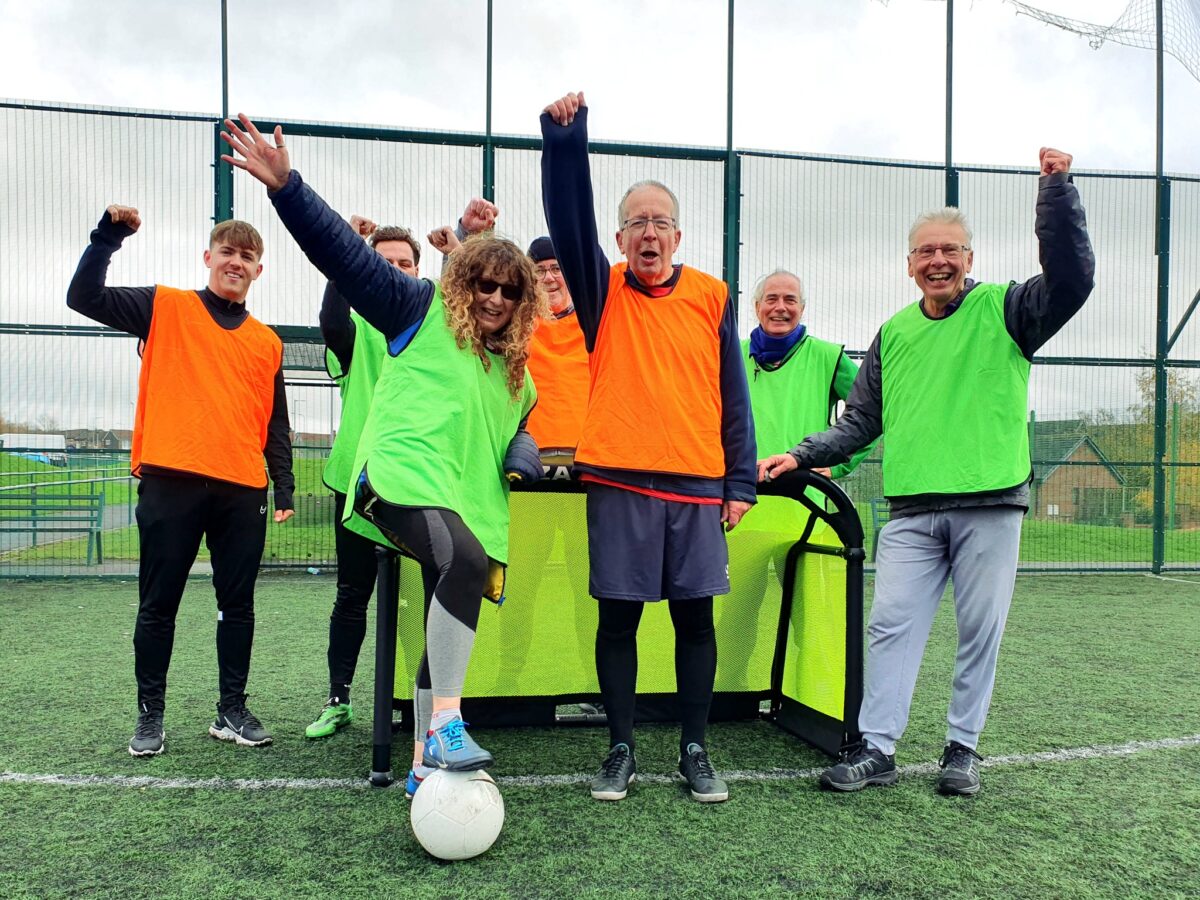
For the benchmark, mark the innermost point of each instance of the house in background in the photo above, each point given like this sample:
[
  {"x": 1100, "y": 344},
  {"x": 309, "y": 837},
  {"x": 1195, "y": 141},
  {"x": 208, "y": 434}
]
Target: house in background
[{"x": 1074, "y": 482}]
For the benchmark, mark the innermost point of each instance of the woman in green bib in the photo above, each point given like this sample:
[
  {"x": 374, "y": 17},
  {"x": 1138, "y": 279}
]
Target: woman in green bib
[{"x": 444, "y": 434}]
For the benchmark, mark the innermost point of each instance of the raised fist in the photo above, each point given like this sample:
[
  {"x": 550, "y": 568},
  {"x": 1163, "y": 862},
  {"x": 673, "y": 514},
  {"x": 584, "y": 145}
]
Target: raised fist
[
  {"x": 1053, "y": 161},
  {"x": 480, "y": 215},
  {"x": 362, "y": 226},
  {"x": 125, "y": 215},
  {"x": 444, "y": 240},
  {"x": 564, "y": 108}
]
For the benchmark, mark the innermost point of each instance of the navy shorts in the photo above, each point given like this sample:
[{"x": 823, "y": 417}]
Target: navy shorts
[{"x": 644, "y": 548}]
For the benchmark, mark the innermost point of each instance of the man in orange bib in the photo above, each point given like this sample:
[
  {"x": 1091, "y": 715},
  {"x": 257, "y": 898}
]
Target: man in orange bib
[
  {"x": 667, "y": 448},
  {"x": 211, "y": 406}
]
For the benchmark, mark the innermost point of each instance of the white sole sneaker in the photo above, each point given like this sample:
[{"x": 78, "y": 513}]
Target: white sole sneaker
[
  {"x": 157, "y": 752},
  {"x": 613, "y": 795},
  {"x": 228, "y": 734}
]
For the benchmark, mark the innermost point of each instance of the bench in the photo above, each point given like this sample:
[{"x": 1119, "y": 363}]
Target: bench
[
  {"x": 39, "y": 511},
  {"x": 881, "y": 514}
]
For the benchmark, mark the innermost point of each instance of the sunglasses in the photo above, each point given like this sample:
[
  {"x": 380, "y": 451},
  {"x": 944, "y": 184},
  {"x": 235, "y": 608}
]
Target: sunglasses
[{"x": 507, "y": 291}]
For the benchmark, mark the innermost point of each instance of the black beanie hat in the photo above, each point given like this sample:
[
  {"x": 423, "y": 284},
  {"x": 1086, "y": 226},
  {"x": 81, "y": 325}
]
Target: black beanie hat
[{"x": 541, "y": 250}]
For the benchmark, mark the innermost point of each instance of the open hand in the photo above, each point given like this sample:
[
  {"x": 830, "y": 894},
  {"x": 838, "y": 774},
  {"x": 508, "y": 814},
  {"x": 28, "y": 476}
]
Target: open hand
[
  {"x": 563, "y": 109},
  {"x": 268, "y": 162},
  {"x": 282, "y": 515},
  {"x": 125, "y": 215},
  {"x": 774, "y": 466},
  {"x": 1053, "y": 161}
]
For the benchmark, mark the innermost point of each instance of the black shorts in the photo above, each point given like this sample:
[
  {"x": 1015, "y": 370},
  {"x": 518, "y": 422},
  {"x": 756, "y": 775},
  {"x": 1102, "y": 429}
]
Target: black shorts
[{"x": 644, "y": 548}]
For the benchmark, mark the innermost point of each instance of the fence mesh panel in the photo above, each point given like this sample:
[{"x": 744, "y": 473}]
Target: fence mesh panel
[{"x": 68, "y": 388}]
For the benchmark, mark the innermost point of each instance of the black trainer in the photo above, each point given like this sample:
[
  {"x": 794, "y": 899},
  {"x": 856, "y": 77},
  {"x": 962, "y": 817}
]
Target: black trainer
[
  {"x": 236, "y": 723},
  {"x": 960, "y": 771},
  {"x": 698, "y": 772},
  {"x": 616, "y": 774},
  {"x": 148, "y": 735},
  {"x": 860, "y": 765}
]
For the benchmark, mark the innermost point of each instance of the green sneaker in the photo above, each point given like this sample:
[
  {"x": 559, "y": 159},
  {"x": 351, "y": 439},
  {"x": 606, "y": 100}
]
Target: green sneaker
[{"x": 334, "y": 715}]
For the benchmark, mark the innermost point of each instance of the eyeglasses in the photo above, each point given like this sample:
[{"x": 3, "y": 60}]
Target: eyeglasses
[
  {"x": 949, "y": 251},
  {"x": 543, "y": 271},
  {"x": 507, "y": 291},
  {"x": 662, "y": 226}
]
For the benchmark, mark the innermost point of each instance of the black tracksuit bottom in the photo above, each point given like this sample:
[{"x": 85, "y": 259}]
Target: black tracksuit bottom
[
  {"x": 173, "y": 513},
  {"x": 357, "y": 567}
]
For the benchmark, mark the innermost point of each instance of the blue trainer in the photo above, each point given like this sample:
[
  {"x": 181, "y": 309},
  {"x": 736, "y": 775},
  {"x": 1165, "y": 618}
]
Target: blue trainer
[
  {"x": 411, "y": 785},
  {"x": 450, "y": 747}
]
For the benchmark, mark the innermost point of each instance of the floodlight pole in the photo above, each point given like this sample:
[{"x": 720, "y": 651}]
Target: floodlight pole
[
  {"x": 489, "y": 149},
  {"x": 222, "y": 171},
  {"x": 951, "y": 174},
  {"x": 731, "y": 264},
  {"x": 1162, "y": 248}
]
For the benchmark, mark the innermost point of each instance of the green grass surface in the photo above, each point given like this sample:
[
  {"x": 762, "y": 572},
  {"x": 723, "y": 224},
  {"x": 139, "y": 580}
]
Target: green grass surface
[{"x": 1087, "y": 661}]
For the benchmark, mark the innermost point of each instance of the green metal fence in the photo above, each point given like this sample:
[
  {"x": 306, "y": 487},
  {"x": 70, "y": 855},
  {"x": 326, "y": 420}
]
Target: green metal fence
[{"x": 1115, "y": 404}]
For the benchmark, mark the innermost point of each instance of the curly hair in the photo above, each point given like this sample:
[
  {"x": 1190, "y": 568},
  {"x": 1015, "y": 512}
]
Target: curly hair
[{"x": 486, "y": 256}]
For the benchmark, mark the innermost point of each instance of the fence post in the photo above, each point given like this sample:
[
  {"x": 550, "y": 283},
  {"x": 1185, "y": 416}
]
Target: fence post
[
  {"x": 1162, "y": 245},
  {"x": 951, "y": 172},
  {"x": 222, "y": 171}
]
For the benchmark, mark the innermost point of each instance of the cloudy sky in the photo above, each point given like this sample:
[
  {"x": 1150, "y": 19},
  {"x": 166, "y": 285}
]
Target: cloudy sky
[{"x": 856, "y": 78}]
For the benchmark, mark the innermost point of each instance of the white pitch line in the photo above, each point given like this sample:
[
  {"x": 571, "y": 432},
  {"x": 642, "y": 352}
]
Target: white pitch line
[
  {"x": 1165, "y": 578},
  {"x": 1066, "y": 754}
]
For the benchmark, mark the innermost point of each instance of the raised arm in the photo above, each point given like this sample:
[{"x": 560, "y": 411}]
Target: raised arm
[
  {"x": 1037, "y": 309},
  {"x": 387, "y": 298},
  {"x": 126, "y": 309},
  {"x": 337, "y": 328},
  {"x": 570, "y": 211}
]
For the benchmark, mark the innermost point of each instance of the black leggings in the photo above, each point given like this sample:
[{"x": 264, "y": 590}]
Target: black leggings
[
  {"x": 695, "y": 664},
  {"x": 456, "y": 566}
]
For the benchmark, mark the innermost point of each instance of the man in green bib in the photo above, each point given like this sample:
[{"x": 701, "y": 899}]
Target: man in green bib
[
  {"x": 946, "y": 383},
  {"x": 795, "y": 379}
]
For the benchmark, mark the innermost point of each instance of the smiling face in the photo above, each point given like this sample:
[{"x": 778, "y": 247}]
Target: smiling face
[
  {"x": 231, "y": 270},
  {"x": 649, "y": 249},
  {"x": 399, "y": 254},
  {"x": 780, "y": 307},
  {"x": 551, "y": 279},
  {"x": 939, "y": 279},
  {"x": 492, "y": 310}
]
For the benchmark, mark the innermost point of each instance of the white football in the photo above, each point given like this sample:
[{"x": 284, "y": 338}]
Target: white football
[{"x": 457, "y": 815}]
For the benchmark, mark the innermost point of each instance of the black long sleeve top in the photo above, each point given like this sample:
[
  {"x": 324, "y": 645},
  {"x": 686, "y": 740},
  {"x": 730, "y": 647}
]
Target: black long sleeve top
[{"x": 130, "y": 309}]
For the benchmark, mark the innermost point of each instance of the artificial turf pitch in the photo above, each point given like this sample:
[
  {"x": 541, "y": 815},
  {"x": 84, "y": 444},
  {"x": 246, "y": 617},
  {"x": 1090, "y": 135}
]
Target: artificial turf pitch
[{"x": 1088, "y": 661}]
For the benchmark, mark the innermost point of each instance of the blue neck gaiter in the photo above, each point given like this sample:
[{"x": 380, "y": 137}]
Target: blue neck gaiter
[{"x": 768, "y": 351}]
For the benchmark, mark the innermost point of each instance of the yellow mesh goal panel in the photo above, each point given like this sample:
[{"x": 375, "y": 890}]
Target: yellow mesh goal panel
[
  {"x": 540, "y": 643},
  {"x": 814, "y": 671}
]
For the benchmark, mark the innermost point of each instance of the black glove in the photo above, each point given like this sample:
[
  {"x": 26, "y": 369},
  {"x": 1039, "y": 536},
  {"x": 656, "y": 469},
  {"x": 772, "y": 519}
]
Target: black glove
[{"x": 522, "y": 462}]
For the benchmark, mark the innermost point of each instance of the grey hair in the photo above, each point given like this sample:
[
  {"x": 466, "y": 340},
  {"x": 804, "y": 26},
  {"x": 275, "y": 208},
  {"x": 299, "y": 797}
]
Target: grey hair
[
  {"x": 649, "y": 183},
  {"x": 947, "y": 215},
  {"x": 761, "y": 287}
]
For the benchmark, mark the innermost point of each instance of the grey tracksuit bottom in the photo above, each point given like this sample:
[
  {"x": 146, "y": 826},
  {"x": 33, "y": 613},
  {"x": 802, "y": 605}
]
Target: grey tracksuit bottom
[{"x": 976, "y": 547}]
